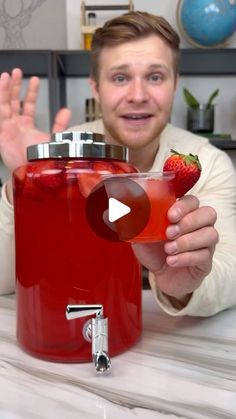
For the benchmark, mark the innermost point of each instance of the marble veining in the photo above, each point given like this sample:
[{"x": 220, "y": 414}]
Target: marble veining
[{"x": 181, "y": 368}]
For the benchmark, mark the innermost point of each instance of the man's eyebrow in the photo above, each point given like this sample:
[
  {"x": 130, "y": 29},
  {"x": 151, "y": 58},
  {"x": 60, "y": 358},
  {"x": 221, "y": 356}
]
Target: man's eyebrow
[
  {"x": 123, "y": 67},
  {"x": 158, "y": 67}
]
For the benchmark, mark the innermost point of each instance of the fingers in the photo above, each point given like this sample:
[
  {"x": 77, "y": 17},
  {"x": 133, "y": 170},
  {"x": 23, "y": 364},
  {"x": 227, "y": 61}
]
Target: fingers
[
  {"x": 10, "y": 86},
  {"x": 202, "y": 238},
  {"x": 194, "y": 220},
  {"x": 181, "y": 207},
  {"x": 29, "y": 104},
  {"x": 5, "y": 108},
  {"x": 14, "y": 91},
  {"x": 62, "y": 120},
  {"x": 10, "y": 104},
  {"x": 200, "y": 261},
  {"x": 193, "y": 238}
]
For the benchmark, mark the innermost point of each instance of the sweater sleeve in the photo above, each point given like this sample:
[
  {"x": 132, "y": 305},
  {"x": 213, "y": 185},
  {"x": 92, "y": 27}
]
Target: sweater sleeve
[
  {"x": 217, "y": 292},
  {"x": 7, "y": 245}
]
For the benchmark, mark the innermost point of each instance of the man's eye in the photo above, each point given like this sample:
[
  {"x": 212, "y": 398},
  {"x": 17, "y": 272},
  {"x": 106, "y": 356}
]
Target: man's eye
[
  {"x": 155, "y": 78},
  {"x": 119, "y": 78}
]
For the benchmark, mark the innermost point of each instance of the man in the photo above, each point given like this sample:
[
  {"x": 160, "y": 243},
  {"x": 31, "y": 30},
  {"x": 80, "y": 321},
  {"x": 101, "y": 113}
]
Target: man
[{"x": 134, "y": 77}]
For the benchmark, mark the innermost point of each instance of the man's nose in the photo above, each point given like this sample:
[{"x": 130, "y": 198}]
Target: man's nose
[{"x": 137, "y": 91}]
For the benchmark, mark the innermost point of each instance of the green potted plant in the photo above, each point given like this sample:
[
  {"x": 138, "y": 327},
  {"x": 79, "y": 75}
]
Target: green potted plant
[{"x": 200, "y": 116}]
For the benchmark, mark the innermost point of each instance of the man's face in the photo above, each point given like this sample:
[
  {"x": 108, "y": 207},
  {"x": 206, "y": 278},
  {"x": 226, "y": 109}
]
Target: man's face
[{"x": 135, "y": 90}]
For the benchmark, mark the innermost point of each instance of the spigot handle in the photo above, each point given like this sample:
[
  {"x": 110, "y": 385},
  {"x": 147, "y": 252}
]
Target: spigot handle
[{"x": 78, "y": 310}]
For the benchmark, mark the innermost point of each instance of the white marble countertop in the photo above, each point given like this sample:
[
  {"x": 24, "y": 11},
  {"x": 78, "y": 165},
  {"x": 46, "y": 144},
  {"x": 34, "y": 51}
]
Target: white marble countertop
[{"x": 181, "y": 368}]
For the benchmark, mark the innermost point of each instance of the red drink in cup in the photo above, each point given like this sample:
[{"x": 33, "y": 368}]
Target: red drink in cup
[{"x": 149, "y": 196}]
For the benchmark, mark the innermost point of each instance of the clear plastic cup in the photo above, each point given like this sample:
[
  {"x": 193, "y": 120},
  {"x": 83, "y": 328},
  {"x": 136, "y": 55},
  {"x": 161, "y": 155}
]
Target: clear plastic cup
[{"x": 149, "y": 197}]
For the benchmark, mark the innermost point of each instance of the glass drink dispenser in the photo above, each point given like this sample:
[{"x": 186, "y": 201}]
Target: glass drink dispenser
[{"x": 78, "y": 294}]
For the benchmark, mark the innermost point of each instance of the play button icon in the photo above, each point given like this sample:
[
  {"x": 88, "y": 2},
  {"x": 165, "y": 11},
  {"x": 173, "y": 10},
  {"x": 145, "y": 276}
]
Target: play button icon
[{"x": 117, "y": 209}]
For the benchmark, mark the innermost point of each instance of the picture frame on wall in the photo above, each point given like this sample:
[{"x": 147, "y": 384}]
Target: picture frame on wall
[{"x": 33, "y": 24}]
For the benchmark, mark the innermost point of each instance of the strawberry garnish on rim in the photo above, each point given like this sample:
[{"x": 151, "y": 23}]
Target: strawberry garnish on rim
[{"x": 187, "y": 168}]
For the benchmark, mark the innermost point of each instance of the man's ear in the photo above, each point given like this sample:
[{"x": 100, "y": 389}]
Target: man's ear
[{"x": 94, "y": 87}]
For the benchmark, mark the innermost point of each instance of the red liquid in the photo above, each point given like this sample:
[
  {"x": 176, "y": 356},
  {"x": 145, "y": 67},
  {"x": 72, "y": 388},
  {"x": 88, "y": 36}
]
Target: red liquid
[
  {"x": 161, "y": 196},
  {"x": 147, "y": 220},
  {"x": 61, "y": 261}
]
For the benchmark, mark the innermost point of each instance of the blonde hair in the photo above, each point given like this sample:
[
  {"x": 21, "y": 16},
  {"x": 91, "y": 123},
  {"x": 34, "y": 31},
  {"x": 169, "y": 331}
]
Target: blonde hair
[{"x": 130, "y": 27}]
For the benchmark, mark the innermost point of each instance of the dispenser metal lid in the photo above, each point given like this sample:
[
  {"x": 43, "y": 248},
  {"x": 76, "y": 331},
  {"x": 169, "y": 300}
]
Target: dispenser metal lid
[{"x": 76, "y": 144}]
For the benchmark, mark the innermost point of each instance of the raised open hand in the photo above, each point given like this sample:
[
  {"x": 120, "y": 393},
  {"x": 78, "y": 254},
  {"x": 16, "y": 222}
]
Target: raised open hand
[{"x": 17, "y": 124}]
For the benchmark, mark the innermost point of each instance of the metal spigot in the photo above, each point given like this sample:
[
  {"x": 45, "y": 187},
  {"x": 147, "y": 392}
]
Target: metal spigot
[{"x": 95, "y": 331}]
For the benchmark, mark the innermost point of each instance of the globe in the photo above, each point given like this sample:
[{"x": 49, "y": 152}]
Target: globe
[{"x": 206, "y": 23}]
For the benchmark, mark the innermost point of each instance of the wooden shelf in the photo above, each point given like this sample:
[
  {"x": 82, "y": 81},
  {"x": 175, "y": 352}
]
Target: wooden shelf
[
  {"x": 85, "y": 28},
  {"x": 107, "y": 7}
]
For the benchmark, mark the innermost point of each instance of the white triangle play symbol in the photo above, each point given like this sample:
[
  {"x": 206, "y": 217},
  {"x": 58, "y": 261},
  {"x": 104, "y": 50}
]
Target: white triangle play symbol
[{"x": 117, "y": 209}]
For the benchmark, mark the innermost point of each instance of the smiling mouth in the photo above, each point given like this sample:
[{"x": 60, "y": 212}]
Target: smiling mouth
[{"x": 137, "y": 117}]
